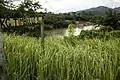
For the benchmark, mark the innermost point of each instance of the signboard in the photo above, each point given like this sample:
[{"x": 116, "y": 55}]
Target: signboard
[{"x": 10, "y": 22}]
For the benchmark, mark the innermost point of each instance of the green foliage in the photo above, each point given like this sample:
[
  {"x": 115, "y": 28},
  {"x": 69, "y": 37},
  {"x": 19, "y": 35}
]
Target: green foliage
[
  {"x": 87, "y": 60},
  {"x": 70, "y": 29},
  {"x": 28, "y": 8},
  {"x": 111, "y": 18},
  {"x": 92, "y": 34},
  {"x": 85, "y": 16},
  {"x": 6, "y": 7},
  {"x": 115, "y": 34},
  {"x": 88, "y": 34},
  {"x": 57, "y": 21},
  {"x": 70, "y": 41},
  {"x": 48, "y": 27},
  {"x": 33, "y": 30},
  {"x": 106, "y": 29},
  {"x": 96, "y": 20}
]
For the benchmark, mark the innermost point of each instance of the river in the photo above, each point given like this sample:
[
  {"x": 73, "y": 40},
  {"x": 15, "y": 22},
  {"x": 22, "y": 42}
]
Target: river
[{"x": 64, "y": 31}]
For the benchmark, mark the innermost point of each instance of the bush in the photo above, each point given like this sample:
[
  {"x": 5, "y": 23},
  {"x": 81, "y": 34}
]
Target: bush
[
  {"x": 106, "y": 29},
  {"x": 88, "y": 34},
  {"x": 99, "y": 35},
  {"x": 115, "y": 34},
  {"x": 111, "y": 18},
  {"x": 48, "y": 27}
]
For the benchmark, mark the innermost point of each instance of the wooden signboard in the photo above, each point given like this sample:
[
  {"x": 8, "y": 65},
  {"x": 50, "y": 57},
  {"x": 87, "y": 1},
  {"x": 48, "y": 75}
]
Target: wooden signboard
[{"x": 10, "y": 22}]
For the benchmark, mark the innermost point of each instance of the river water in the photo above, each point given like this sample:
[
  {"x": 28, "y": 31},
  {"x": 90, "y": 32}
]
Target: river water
[{"x": 64, "y": 31}]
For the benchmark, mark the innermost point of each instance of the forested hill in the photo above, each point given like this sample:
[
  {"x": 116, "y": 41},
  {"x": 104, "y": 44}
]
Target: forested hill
[
  {"x": 101, "y": 10},
  {"x": 117, "y": 9},
  {"x": 97, "y": 10}
]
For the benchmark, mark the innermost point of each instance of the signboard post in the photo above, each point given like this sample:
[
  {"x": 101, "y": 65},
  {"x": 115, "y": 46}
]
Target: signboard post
[
  {"x": 42, "y": 36},
  {"x": 3, "y": 75}
]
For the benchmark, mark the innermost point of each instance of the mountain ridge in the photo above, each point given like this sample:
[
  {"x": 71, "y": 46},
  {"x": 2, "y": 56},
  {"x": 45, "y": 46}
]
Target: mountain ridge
[{"x": 100, "y": 10}]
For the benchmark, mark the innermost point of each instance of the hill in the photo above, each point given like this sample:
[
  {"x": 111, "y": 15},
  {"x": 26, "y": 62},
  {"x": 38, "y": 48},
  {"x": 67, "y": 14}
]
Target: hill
[
  {"x": 117, "y": 9},
  {"x": 101, "y": 10}
]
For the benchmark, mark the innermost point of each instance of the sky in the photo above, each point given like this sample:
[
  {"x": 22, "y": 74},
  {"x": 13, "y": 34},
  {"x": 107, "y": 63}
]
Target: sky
[{"x": 61, "y": 6}]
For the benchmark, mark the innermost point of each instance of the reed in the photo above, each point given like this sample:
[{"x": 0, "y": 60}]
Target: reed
[{"x": 87, "y": 60}]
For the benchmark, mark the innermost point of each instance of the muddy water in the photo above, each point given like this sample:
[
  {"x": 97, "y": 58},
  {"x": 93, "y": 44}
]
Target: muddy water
[{"x": 64, "y": 31}]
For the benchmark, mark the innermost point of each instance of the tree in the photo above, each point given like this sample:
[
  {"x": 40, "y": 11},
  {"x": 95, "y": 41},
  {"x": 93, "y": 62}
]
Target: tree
[
  {"x": 111, "y": 19},
  {"x": 4, "y": 8},
  {"x": 28, "y": 8}
]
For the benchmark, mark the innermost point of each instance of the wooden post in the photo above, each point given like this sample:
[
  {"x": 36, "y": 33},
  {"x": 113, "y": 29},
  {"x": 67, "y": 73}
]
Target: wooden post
[
  {"x": 3, "y": 75},
  {"x": 42, "y": 36}
]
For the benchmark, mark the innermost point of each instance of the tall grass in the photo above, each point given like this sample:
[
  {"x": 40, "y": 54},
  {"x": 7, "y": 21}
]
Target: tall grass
[{"x": 85, "y": 60}]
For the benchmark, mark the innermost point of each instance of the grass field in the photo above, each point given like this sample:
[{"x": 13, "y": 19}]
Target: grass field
[{"x": 85, "y": 60}]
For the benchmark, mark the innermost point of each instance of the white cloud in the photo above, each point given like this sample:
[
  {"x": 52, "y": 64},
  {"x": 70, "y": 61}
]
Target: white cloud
[
  {"x": 74, "y": 5},
  {"x": 113, "y": 3}
]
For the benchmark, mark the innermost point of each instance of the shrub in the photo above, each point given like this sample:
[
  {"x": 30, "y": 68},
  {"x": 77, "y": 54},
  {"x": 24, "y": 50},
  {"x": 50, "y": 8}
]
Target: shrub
[
  {"x": 99, "y": 35},
  {"x": 48, "y": 27},
  {"x": 106, "y": 29},
  {"x": 115, "y": 34},
  {"x": 88, "y": 34},
  {"x": 70, "y": 29}
]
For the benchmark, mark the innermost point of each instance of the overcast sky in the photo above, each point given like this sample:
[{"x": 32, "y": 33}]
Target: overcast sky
[{"x": 74, "y": 5}]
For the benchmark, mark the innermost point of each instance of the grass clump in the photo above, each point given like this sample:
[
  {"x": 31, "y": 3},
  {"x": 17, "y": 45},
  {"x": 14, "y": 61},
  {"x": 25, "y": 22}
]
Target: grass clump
[{"x": 87, "y": 60}]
